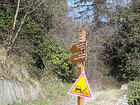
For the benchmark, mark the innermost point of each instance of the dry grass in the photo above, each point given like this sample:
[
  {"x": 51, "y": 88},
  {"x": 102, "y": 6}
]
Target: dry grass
[
  {"x": 54, "y": 92},
  {"x": 13, "y": 68}
]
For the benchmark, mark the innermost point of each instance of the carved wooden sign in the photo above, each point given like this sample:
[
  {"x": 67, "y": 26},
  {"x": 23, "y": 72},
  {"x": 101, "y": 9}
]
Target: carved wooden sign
[
  {"x": 78, "y": 57},
  {"x": 78, "y": 47}
]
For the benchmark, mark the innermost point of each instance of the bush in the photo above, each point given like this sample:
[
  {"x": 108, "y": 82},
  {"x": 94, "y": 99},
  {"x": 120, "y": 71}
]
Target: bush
[
  {"x": 133, "y": 96},
  {"x": 46, "y": 50},
  {"x": 60, "y": 59}
]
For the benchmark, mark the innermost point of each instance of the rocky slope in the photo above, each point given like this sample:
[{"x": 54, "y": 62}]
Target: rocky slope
[{"x": 15, "y": 82}]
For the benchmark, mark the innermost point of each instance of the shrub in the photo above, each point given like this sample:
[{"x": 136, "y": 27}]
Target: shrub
[
  {"x": 60, "y": 59},
  {"x": 133, "y": 96}
]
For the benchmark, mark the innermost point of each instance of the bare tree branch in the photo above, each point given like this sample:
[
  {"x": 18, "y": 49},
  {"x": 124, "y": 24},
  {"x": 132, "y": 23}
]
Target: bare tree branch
[
  {"x": 16, "y": 15},
  {"x": 27, "y": 13},
  {"x": 36, "y": 7},
  {"x": 19, "y": 28}
]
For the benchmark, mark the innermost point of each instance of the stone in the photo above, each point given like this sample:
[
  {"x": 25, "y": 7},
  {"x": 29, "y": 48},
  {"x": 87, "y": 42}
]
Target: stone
[
  {"x": 12, "y": 92},
  {"x": 124, "y": 87}
]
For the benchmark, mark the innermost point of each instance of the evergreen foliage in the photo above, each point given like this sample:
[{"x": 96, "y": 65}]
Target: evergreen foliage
[
  {"x": 124, "y": 50},
  {"x": 133, "y": 95},
  {"x": 59, "y": 57}
]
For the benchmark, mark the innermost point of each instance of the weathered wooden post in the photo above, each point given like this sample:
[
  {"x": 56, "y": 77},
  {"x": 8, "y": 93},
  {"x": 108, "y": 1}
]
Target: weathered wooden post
[
  {"x": 81, "y": 66},
  {"x": 80, "y": 87}
]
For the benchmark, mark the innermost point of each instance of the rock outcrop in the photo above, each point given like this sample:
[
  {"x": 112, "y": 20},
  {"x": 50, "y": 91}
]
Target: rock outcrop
[
  {"x": 16, "y": 85},
  {"x": 12, "y": 92}
]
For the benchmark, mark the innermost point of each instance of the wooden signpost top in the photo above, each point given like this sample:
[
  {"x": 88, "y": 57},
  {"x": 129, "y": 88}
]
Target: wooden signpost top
[{"x": 83, "y": 35}]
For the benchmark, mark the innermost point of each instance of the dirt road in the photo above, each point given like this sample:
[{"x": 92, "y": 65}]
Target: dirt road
[{"x": 107, "y": 97}]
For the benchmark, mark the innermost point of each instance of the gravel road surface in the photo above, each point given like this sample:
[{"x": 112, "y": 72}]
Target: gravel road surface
[{"x": 107, "y": 97}]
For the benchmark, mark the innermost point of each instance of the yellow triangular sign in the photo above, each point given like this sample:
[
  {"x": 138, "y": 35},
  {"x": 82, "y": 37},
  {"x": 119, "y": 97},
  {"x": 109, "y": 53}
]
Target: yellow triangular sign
[{"x": 81, "y": 87}]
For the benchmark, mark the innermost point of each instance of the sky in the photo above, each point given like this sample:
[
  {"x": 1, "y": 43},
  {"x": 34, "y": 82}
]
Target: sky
[{"x": 74, "y": 13}]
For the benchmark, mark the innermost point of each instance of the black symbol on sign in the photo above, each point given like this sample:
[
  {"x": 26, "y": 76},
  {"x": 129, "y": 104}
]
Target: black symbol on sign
[
  {"x": 78, "y": 89},
  {"x": 85, "y": 91}
]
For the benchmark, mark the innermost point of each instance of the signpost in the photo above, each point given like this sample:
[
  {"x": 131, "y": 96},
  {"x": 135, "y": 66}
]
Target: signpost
[{"x": 81, "y": 87}]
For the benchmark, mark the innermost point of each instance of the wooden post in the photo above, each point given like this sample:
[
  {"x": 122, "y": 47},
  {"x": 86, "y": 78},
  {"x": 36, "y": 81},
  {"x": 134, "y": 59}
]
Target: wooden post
[{"x": 81, "y": 66}]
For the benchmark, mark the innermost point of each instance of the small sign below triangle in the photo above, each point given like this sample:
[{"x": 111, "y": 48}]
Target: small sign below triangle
[{"x": 81, "y": 87}]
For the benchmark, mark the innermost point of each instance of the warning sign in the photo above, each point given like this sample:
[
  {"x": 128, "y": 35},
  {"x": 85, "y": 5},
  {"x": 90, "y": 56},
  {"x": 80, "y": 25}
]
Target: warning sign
[{"x": 81, "y": 87}]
